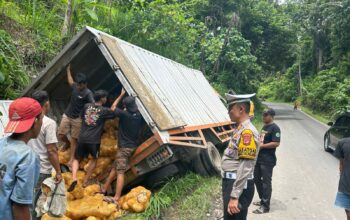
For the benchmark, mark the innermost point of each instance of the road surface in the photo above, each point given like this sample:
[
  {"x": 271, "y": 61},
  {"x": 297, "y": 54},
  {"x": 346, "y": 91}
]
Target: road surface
[{"x": 306, "y": 177}]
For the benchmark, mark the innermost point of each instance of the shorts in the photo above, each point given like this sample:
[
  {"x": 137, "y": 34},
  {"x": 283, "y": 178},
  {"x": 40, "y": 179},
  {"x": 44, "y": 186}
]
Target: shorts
[
  {"x": 122, "y": 161},
  {"x": 342, "y": 201},
  {"x": 70, "y": 125},
  {"x": 83, "y": 150}
]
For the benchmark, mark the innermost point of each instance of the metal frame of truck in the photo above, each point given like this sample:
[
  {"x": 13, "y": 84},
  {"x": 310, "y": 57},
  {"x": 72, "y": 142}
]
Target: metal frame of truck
[{"x": 173, "y": 139}]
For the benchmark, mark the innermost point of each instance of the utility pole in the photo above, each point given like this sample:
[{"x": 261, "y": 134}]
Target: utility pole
[{"x": 300, "y": 82}]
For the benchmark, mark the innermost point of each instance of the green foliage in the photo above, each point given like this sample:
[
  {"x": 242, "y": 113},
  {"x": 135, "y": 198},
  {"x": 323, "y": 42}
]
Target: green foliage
[
  {"x": 281, "y": 87},
  {"x": 327, "y": 92},
  {"x": 12, "y": 74}
]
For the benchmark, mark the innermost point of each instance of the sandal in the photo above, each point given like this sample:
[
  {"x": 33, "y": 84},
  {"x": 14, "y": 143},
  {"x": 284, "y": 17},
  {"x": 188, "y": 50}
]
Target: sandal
[
  {"x": 110, "y": 199},
  {"x": 72, "y": 186}
]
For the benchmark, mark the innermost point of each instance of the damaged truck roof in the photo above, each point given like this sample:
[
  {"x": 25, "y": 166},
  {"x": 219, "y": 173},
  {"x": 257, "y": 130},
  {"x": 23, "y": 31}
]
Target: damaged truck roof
[{"x": 169, "y": 95}]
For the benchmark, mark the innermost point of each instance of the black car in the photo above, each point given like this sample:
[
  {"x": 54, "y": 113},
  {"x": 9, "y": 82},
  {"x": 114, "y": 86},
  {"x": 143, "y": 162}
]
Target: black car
[{"x": 338, "y": 130}]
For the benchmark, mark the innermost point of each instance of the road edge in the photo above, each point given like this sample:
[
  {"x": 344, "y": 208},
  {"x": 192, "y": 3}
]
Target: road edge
[{"x": 300, "y": 110}]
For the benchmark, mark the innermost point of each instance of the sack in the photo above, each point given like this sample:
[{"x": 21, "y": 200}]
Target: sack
[{"x": 52, "y": 199}]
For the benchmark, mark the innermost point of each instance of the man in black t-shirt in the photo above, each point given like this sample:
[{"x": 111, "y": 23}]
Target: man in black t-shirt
[
  {"x": 342, "y": 151},
  {"x": 71, "y": 121},
  {"x": 94, "y": 116},
  {"x": 270, "y": 139},
  {"x": 130, "y": 125}
]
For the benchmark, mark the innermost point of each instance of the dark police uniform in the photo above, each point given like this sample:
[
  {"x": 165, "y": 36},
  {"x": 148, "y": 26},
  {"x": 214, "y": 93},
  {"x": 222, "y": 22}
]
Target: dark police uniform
[{"x": 238, "y": 164}]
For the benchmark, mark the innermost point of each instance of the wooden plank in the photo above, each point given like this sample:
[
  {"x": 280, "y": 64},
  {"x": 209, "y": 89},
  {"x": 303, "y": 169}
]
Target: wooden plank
[
  {"x": 179, "y": 143},
  {"x": 144, "y": 150},
  {"x": 179, "y": 138},
  {"x": 199, "y": 127},
  {"x": 202, "y": 137}
]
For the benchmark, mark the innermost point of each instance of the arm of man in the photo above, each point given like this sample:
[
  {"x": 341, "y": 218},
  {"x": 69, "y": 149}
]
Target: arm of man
[
  {"x": 69, "y": 76},
  {"x": 341, "y": 166},
  {"x": 276, "y": 138},
  {"x": 118, "y": 100},
  {"x": 53, "y": 158},
  {"x": 20, "y": 212},
  {"x": 270, "y": 145},
  {"x": 51, "y": 145},
  {"x": 90, "y": 98},
  {"x": 339, "y": 153}
]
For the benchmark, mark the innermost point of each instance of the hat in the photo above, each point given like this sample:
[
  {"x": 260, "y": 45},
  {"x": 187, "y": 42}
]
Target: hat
[
  {"x": 22, "y": 114},
  {"x": 269, "y": 111},
  {"x": 130, "y": 104},
  {"x": 233, "y": 98}
]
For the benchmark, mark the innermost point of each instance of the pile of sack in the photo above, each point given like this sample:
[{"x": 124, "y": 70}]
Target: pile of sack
[{"x": 88, "y": 203}]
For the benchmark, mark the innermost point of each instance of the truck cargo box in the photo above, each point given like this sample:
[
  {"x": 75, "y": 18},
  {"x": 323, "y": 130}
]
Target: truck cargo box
[{"x": 185, "y": 116}]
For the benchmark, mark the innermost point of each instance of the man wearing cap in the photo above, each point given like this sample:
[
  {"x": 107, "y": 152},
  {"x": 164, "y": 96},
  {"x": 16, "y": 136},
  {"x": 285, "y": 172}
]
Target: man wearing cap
[
  {"x": 94, "y": 116},
  {"x": 19, "y": 164},
  {"x": 71, "y": 120},
  {"x": 239, "y": 160},
  {"x": 270, "y": 138},
  {"x": 130, "y": 125}
]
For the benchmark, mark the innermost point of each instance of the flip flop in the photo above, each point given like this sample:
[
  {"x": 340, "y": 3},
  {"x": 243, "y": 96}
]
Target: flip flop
[
  {"x": 110, "y": 199},
  {"x": 72, "y": 186},
  {"x": 90, "y": 182}
]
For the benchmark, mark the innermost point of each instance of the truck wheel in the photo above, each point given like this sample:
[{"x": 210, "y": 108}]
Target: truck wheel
[
  {"x": 198, "y": 166},
  {"x": 211, "y": 159},
  {"x": 208, "y": 162}
]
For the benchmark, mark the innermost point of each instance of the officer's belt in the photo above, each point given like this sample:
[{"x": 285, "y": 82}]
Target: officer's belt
[{"x": 233, "y": 176}]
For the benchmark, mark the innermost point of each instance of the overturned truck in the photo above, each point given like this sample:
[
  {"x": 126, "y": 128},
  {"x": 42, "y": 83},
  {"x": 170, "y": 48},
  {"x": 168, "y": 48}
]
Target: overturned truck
[{"x": 188, "y": 123}]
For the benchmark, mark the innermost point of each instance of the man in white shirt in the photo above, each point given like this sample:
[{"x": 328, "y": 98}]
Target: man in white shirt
[{"x": 45, "y": 144}]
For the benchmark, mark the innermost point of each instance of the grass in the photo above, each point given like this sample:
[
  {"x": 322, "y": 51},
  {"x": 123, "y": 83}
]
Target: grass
[
  {"x": 319, "y": 116},
  {"x": 196, "y": 205}
]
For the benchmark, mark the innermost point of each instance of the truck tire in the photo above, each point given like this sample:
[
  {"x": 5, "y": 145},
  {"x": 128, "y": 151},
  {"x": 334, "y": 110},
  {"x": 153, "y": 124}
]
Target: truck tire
[
  {"x": 211, "y": 159},
  {"x": 198, "y": 166},
  {"x": 208, "y": 162}
]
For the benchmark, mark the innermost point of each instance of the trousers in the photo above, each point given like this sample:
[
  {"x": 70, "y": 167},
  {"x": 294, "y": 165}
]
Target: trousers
[
  {"x": 244, "y": 200},
  {"x": 263, "y": 183}
]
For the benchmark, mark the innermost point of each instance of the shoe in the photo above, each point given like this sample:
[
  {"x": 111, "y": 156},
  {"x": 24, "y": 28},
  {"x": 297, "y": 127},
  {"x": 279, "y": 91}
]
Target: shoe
[
  {"x": 261, "y": 210},
  {"x": 257, "y": 203}
]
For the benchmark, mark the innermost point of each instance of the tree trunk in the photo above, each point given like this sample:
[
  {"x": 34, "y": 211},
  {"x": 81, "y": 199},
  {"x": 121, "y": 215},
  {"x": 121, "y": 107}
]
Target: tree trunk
[
  {"x": 67, "y": 19},
  {"x": 235, "y": 22},
  {"x": 320, "y": 59},
  {"x": 300, "y": 83}
]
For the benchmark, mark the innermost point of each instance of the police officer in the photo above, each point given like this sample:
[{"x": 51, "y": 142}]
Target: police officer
[{"x": 239, "y": 160}]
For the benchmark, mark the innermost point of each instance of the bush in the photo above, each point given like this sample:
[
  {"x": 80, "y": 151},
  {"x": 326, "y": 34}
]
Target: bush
[
  {"x": 281, "y": 87},
  {"x": 12, "y": 74},
  {"x": 327, "y": 91}
]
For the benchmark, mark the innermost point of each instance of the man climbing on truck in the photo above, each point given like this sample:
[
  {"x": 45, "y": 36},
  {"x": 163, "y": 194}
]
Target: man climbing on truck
[
  {"x": 130, "y": 125},
  {"x": 71, "y": 121},
  {"x": 94, "y": 116}
]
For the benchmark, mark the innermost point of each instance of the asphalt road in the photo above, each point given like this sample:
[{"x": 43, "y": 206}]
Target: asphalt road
[{"x": 306, "y": 177}]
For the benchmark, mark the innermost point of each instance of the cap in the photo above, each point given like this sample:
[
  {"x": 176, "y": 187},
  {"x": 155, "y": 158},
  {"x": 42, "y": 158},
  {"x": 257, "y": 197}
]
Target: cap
[
  {"x": 269, "y": 111},
  {"x": 22, "y": 114},
  {"x": 233, "y": 98},
  {"x": 130, "y": 104}
]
